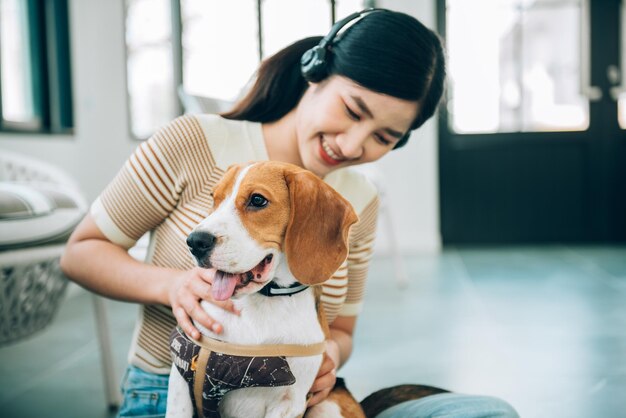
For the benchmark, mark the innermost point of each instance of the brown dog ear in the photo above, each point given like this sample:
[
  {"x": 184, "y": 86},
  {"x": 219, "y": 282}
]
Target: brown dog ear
[{"x": 316, "y": 240}]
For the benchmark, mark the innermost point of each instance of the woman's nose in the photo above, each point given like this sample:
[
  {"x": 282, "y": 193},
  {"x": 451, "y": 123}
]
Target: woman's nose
[{"x": 351, "y": 145}]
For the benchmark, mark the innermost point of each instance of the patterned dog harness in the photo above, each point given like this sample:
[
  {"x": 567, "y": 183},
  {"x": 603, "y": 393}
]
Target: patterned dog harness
[{"x": 213, "y": 368}]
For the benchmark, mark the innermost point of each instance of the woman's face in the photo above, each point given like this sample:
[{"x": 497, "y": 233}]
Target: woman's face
[{"x": 340, "y": 123}]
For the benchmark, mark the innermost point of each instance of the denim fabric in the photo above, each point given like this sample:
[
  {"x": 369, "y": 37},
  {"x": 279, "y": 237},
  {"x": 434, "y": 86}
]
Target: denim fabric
[
  {"x": 451, "y": 405},
  {"x": 144, "y": 394}
]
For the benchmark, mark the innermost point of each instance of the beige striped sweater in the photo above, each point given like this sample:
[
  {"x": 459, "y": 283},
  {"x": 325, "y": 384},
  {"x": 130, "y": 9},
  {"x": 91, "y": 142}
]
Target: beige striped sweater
[{"x": 165, "y": 187}]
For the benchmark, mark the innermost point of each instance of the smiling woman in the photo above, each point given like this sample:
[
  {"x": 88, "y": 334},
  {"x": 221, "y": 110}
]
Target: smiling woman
[{"x": 321, "y": 104}]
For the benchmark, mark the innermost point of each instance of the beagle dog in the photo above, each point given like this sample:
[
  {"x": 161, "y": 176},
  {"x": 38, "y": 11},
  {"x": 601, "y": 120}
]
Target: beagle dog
[{"x": 275, "y": 233}]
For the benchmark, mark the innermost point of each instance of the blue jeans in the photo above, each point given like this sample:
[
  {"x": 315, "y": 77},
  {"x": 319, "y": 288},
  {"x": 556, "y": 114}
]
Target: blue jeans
[
  {"x": 451, "y": 405},
  {"x": 145, "y": 395}
]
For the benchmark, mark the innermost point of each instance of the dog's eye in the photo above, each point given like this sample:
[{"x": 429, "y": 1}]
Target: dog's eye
[{"x": 257, "y": 201}]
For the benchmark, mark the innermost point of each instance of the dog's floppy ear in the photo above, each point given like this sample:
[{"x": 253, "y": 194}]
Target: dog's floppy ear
[{"x": 316, "y": 239}]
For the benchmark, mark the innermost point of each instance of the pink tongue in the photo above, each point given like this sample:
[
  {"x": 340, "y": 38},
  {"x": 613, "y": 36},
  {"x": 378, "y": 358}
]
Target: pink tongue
[{"x": 223, "y": 285}]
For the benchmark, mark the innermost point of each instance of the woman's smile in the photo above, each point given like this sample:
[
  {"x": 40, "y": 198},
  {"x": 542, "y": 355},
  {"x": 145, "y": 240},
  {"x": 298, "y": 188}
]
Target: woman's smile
[
  {"x": 327, "y": 154},
  {"x": 353, "y": 127}
]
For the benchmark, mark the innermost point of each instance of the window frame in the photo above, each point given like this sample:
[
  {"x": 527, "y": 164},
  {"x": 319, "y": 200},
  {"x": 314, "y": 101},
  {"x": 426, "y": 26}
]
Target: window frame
[
  {"x": 51, "y": 78},
  {"x": 177, "y": 49},
  {"x": 479, "y": 139}
]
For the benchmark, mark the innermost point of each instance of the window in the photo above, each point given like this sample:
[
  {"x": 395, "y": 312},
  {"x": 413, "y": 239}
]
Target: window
[
  {"x": 531, "y": 49},
  {"x": 150, "y": 72},
  {"x": 219, "y": 46},
  {"x": 35, "y": 79}
]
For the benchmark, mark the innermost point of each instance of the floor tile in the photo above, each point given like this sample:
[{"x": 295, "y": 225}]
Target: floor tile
[{"x": 542, "y": 327}]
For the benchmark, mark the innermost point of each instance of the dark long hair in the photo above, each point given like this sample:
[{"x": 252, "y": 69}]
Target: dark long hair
[
  {"x": 391, "y": 53},
  {"x": 278, "y": 86}
]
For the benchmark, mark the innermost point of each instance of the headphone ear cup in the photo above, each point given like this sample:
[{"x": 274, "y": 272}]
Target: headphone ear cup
[{"x": 313, "y": 64}]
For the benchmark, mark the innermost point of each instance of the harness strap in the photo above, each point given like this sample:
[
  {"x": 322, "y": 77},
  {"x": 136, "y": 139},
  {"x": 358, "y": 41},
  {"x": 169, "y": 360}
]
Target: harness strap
[
  {"x": 201, "y": 362},
  {"x": 263, "y": 350},
  {"x": 207, "y": 345}
]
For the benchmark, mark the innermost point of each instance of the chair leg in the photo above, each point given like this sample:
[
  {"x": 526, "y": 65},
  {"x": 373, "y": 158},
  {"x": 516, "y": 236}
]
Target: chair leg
[{"x": 111, "y": 383}]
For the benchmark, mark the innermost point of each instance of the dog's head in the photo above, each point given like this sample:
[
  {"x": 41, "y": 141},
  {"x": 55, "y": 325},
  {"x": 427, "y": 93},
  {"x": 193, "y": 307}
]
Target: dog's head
[{"x": 265, "y": 214}]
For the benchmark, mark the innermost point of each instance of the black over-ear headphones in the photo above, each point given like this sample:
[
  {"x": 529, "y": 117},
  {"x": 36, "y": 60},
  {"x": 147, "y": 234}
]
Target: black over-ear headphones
[{"x": 313, "y": 63}]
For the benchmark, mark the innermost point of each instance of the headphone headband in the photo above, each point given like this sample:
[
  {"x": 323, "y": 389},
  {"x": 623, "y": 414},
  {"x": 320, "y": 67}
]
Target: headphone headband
[
  {"x": 343, "y": 22},
  {"x": 313, "y": 62}
]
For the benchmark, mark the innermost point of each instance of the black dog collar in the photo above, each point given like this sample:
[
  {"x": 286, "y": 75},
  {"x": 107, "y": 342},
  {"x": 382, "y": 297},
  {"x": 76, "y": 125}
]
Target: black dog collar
[{"x": 273, "y": 289}]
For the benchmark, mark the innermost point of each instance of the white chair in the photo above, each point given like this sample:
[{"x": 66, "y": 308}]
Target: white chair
[{"x": 32, "y": 284}]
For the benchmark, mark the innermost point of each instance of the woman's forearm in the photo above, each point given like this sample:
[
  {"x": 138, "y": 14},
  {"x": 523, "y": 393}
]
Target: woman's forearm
[
  {"x": 343, "y": 341},
  {"x": 110, "y": 271},
  {"x": 96, "y": 263}
]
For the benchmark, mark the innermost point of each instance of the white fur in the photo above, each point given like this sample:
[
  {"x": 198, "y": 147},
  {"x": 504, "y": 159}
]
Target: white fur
[
  {"x": 236, "y": 251},
  {"x": 178, "y": 399},
  {"x": 263, "y": 320},
  {"x": 324, "y": 409}
]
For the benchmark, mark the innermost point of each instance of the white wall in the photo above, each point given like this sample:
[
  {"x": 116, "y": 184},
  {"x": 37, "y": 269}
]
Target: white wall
[
  {"x": 411, "y": 173},
  {"x": 101, "y": 140}
]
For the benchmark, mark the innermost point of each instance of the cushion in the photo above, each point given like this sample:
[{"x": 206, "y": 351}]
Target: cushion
[{"x": 37, "y": 213}]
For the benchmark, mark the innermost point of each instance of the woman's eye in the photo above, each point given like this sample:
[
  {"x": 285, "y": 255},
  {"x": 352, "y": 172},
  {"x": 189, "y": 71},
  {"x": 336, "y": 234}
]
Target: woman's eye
[
  {"x": 352, "y": 115},
  {"x": 382, "y": 139},
  {"x": 257, "y": 201}
]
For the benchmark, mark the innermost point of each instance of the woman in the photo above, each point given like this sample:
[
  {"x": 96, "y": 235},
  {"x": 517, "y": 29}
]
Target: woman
[{"x": 322, "y": 104}]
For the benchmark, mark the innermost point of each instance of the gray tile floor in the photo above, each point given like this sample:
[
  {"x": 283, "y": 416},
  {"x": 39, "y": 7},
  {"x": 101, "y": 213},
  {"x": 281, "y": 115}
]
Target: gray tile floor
[{"x": 544, "y": 328}]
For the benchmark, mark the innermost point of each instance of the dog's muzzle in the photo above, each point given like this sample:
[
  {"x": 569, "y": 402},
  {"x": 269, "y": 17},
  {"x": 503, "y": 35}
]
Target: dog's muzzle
[{"x": 201, "y": 244}]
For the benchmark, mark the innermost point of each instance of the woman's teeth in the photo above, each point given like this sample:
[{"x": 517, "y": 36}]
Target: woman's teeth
[{"x": 330, "y": 152}]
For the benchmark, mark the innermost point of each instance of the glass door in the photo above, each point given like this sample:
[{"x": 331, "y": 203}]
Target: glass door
[{"x": 531, "y": 139}]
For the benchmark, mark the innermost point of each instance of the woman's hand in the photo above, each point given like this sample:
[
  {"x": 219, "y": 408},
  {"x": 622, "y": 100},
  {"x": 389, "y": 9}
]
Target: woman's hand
[
  {"x": 185, "y": 293},
  {"x": 327, "y": 375}
]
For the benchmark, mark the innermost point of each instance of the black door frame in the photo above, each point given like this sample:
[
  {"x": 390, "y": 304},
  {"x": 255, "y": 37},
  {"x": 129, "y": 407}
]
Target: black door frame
[{"x": 540, "y": 187}]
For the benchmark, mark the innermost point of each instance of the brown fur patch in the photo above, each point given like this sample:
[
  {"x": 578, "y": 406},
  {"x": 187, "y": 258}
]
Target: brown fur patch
[
  {"x": 349, "y": 406},
  {"x": 305, "y": 218},
  {"x": 380, "y": 400},
  {"x": 267, "y": 225},
  {"x": 316, "y": 241}
]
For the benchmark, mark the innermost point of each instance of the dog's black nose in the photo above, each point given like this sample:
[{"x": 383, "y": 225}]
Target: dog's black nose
[{"x": 200, "y": 243}]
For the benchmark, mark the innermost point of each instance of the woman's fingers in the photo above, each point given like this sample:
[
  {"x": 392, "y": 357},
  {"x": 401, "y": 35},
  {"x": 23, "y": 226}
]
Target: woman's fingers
[
  {"x": 187, "y": 291},
  {"x": 202, "y": 289},
  {"x": 326, "y": 381},
  {"x": 327, "y": 365},
  {"x": 185, "y": 323},
  {"x": 318, "y": 397},
  {"x": 192, "y": 308}
]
